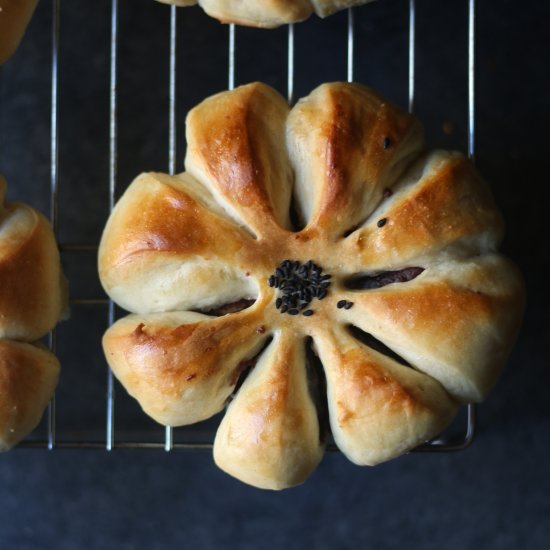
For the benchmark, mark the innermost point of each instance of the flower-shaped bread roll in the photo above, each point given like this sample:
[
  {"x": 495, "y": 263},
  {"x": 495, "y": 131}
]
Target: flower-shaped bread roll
[
  {"x": 33, "y": 298},
  {"x": 267, "y": 13},
  {"x": 321, "y": 235}
]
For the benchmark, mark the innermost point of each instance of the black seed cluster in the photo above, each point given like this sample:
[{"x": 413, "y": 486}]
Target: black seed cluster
[
  {"x": 299, "y": 284},
  {"x": 344, "y": 304}
]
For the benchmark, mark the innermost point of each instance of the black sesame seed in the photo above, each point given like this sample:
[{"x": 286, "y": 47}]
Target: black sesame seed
[
  {"x": 348, "y": 305},
  {"x": 308, "y": 313},
  {"x": 341, "y": 304},
  {"x": 382, "y": 222},
  {"x": 387, "y": 192},
  {"x": 298, "y": 284},
  {"x": 387, "y": 142}
]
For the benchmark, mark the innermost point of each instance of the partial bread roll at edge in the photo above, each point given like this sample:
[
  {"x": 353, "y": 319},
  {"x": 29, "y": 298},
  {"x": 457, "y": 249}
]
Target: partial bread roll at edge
[
  {"x": 28, "y": 377},
  {"x": 33, "y": 299},
  {"x": 14, "y": 18},
  {"x": 34, "y": 290},
  {"x": 267, "y": 13}
]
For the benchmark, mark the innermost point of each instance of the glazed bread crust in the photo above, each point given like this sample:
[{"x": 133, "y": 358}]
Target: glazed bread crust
[
  {"x": 14, "y": 18},
  {"x": 32, "y": 301},
  {"x": 409, "y": 239},
  {"x": 267, "y": 13}
]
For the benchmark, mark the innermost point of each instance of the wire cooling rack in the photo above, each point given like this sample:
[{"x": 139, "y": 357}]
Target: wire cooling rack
[{"x": 156, "y": 439}]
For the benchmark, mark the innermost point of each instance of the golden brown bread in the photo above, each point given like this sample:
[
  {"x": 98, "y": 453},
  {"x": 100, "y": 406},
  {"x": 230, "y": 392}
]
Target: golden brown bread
[
  {"x": 32, "y": 301},
  {"x": 408, "y": 238},
  {"x": 267, "y": 13},
  {"x": 14, "y": 18},
  {"x": 171, "y": 361},
  {"x": 28, "y": 377},
  {"x": 34, "y": 292}
]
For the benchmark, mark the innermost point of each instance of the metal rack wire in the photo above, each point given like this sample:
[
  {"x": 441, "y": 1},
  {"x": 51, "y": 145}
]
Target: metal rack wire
[{"x": 109, "y": 441}]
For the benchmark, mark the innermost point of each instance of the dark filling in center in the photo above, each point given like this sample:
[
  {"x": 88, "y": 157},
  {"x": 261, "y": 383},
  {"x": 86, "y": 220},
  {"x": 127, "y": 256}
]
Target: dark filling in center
[{"x": 367, "y": 282}]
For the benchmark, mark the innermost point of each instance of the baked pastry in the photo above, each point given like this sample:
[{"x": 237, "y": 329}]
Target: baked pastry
[
  {"x": 267, "y": 13},
  {"x": 32, "y": 301},
  {"x": 14, "y": 18},
  {"x": 325, "y": 231}
]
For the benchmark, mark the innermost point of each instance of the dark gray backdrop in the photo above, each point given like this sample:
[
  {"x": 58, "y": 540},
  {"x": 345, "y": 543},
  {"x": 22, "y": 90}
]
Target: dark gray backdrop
[{"x": 494, "y": 495}]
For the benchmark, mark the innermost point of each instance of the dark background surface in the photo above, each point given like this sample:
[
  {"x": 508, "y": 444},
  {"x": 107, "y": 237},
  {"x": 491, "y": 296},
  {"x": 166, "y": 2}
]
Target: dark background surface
[{"x": 495, "y": 495}]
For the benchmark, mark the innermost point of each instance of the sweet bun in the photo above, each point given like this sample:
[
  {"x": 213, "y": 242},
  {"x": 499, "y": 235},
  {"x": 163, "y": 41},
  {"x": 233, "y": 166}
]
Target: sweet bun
[
  {"x": 267, "y": 13},
  {"x": 32, "y": 301},
  {"x": 312, "y": 267},
  {"x": 28, "y": 378}
]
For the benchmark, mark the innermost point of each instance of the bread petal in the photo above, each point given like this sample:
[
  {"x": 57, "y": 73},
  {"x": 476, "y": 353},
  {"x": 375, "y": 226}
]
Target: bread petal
[
  {"x": 270, "y": 435},
  {"x": 182, "y": 366},
  {"x": 378, "y": 408},
  {"x": 456, "y": 321},
  {"x": 441, "y": 205},
  {"x": 346, "y": 144},
  {"x": 166, "y": 248},
  {"x": 236, "y": 147}
]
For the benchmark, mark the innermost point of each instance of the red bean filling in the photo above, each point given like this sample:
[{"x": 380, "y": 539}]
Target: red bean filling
[
  {"x": 367, "y": 282},
  {"x": 233, "y": 307}
]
